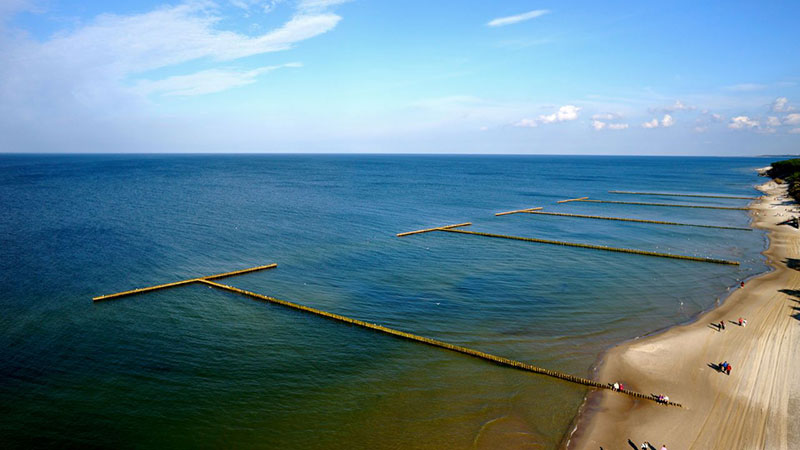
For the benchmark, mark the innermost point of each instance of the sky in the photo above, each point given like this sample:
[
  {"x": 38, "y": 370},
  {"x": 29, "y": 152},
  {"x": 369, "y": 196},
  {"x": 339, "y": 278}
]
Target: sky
[{"x": 381, "y": 76}]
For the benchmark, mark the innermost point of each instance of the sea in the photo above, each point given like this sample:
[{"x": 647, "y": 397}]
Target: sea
[{"x": 196, "y": 367}]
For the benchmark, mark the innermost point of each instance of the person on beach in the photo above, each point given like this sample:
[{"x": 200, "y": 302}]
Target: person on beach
[
  {"x": 722, "y": 325},
  {"x": 741, "y": 284},
  {"x": 645, "y": 445},
  {"x": 744, "y": 323},
  {"x": 740, "y": 321},
  {"x": 728, "y": 369},
  {"x": 663, "y": 447},
  {"x": 616, "y": 386}
]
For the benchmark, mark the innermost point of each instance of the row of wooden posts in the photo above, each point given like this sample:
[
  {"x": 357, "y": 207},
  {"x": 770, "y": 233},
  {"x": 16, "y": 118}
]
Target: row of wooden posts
[
  {"x": 507, "y": 362},
  {"x": 208, "y": 280}
]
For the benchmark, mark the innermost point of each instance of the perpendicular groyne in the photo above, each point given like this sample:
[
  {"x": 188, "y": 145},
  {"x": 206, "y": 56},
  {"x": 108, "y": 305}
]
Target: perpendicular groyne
[
  {"x": 380, "y": 328},
  {"x": 628, "y": 219},
  {"x": 182, "y": 282},
  {"x": 453, "y": 229},
  {"x": 668, "y": 194},
  {"x": 434, "y": 342},
  {"x": 587, "y": 200}
]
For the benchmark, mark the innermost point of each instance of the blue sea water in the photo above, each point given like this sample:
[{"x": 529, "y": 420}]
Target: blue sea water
[{"x": 195, "y": 367}]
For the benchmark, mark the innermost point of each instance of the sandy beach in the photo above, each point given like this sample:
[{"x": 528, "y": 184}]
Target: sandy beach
[{"x": 756, "y": 406}]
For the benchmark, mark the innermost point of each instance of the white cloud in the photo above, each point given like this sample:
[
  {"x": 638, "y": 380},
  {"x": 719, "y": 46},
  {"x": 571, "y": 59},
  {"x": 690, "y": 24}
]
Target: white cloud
[
  {"x": 792, "y": 119},
  {"x": 742, "y": 122},
  {"x": 600, "y": 125},
  {"x": 651, "y": 124},
  {"x": 781, "y": 104},
  {"x": 701, "y": 129},
  {"x": 773, "y": 121},
  {"x": 502, "y": 21},
  {"x": 564, "y": 114},
  {"x": 606, "y": 116},
  {"x": 794, "y": 131},
  {"x": 205, "y": 82},
  {"x": 527, "y": 123},
  {"x": 666, "y": 122}
]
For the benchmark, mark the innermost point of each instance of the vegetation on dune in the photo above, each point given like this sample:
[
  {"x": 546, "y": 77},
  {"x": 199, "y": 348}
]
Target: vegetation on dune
[{"x": 788, "y": 172}]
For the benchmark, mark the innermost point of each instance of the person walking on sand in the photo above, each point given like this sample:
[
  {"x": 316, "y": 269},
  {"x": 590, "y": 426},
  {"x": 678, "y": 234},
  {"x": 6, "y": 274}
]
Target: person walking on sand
[
  {"x": 740, "y": 321},
  {"x": 663, "y": 447},
  {"x": 741, "y": 284},
  {"x": 728, "y": 369},
  {"x": 645, "y": 445},
  {"x": 722, "y": 325}
]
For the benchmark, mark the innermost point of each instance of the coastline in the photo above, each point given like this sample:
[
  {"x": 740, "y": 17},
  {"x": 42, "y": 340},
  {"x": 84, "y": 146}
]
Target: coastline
[{"x": 750, "y": 408}]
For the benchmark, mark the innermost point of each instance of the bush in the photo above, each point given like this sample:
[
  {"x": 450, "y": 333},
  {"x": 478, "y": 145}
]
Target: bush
[{"x": 789, "y": 172}]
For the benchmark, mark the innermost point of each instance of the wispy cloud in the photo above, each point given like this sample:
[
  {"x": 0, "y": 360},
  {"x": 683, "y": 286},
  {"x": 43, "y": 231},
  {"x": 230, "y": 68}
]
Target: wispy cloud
[
  {"x": 675, "y": 107},
  {"x": 746, "y": 87},
  {"x": 113, "y": 50},
  {"x": 318, "y": 5},
  {"x": 502, "y": 21},
  {"x": 792, "y": 119},
  {"x": 205, "y": 82},
  {"x": 605, "y": 116}
]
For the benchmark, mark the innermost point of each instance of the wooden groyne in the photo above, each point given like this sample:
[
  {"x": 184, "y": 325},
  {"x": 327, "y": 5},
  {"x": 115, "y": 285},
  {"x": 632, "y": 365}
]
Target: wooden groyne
[
  {"x": 433, "y": 342},
  {"x": 627, "y": 219},
  {"x": 660, "y": 194},
  {"x": 427, "y": 230},
  {"x": 655, "y": 204},
  {"x": 181, "y": 283},
  {"x": 572, "y": 200},
  {"x": 596, "y": 247},
  {"x": 518, "y": 211}
]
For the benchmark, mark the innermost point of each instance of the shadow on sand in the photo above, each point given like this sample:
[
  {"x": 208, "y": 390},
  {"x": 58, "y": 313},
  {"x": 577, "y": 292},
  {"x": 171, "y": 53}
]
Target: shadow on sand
[{"x": 792, "y": 263}]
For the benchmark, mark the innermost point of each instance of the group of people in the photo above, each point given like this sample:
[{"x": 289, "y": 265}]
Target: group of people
[
  {"x": 663, "y": 398},
  {"x": 742, "y": 323},
  {"x": 647, "y": 446},
  {"x": 618, "y": 386},
  {"x": 725, "y": 367}
]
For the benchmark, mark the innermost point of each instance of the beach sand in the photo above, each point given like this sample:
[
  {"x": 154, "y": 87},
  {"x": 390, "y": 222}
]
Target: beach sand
[{"x": 757, "y": 406}]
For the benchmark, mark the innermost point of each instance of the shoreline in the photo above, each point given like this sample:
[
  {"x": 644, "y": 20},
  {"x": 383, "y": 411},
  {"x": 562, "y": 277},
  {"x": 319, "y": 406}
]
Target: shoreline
[{"x": 753, "y": 404}]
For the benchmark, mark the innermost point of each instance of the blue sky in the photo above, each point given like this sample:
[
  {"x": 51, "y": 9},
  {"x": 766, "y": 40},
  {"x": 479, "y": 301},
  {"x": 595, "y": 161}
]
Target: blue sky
[{"x": 401, "y": 77}]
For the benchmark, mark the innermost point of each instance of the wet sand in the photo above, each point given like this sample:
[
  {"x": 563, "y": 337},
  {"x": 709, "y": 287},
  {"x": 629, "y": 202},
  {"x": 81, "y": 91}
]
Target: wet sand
[{"x": 756, "y": 406}]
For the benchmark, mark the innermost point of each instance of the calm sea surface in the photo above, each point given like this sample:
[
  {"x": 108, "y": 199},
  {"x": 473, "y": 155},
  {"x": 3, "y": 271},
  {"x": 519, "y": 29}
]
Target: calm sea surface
[{"x": 195, "y": 367}]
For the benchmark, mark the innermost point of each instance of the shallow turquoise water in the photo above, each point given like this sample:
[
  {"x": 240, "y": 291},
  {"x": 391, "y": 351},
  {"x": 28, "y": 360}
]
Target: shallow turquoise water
[{"x": 195, "y": 367}]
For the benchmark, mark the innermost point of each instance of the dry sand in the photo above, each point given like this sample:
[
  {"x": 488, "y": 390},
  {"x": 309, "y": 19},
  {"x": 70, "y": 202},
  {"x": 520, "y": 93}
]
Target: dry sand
[{"x": 756, "y": 407}]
